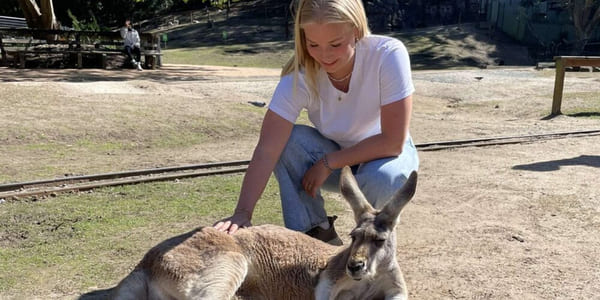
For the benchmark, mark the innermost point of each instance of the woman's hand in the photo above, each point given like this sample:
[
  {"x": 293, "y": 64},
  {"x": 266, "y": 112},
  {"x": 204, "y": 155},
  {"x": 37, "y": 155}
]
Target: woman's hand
[
  {"x": 315, "y": 177},
  {"x": 233, "y": 223}
]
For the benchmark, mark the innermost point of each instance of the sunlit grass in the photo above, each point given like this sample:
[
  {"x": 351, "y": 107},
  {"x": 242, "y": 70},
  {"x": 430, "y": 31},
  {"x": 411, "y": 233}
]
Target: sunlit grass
[
  {"x": 232, "y": 55},
  {"x": 584, "y": 105}
]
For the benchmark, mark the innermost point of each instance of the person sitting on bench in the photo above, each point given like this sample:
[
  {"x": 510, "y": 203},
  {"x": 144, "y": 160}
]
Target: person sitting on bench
[{"x": 131, "y": 41}]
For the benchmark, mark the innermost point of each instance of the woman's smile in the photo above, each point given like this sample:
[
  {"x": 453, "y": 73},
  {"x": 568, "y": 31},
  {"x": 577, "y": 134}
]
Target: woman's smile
[{"x": 332, "y": 46}]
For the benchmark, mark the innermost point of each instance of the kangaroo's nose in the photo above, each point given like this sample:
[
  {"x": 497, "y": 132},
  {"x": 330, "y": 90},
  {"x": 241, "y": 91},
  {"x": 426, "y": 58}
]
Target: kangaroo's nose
[{"x": 355, "y": 266}]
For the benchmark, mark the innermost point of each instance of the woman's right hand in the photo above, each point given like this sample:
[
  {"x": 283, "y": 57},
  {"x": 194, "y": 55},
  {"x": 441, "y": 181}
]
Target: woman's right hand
[{"x": 233, "y": 223}]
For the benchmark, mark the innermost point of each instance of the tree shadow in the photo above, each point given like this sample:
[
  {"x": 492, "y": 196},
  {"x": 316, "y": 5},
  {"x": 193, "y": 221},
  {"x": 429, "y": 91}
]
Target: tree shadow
[
  {"x": 501, "y": 49},
  {"x": 167, "y": 73},
  {"x": 554, "y": 165},
  {"x": 240, "y": 31}
]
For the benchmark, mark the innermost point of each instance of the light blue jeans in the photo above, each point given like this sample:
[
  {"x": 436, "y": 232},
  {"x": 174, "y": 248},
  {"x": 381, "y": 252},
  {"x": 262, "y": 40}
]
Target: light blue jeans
[{"x": 378, "y": 179}]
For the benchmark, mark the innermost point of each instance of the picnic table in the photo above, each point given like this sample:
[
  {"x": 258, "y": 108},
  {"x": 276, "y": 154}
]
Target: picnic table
[
  {"x": 19, "y": 44},
  {"x": 563, "y": 62}
]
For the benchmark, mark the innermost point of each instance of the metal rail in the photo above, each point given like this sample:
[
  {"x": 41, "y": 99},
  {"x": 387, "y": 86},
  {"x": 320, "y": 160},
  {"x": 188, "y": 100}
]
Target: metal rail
[
  {"x": 493, "y": 141},
  {"x": 88, "y": 182},
  {"x": 49, "y": 190},
  {"x": 105, "y": 176}
]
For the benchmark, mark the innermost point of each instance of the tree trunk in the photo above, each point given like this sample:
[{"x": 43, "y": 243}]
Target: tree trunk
[
  {"x": 586, "y": 17},
  {"x": 37, "y": 18},
  {"x": 31, "y": 12},
  {"x": 228, "y": 8},
  {"x": 48, "y": 16}
]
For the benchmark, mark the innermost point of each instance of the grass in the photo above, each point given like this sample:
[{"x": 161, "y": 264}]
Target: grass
[
  {"x": 581, "y": 105},
  {"x": 51, "y": 134},
  {"x": 262, "y": 55},
  {"x": 78, "y": 242}
]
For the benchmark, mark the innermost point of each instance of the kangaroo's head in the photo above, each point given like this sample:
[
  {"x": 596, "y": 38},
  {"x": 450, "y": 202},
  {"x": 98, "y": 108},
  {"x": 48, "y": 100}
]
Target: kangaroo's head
[{"x": 374, "y": 237}]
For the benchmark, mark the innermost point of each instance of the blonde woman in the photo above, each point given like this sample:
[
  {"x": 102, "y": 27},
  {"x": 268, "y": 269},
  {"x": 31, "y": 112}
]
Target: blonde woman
[{"x": 357, "y": 90}]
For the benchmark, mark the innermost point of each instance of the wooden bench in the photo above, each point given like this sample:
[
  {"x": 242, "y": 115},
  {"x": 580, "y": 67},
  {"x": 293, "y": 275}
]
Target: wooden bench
[
  {"x": 563, "y": 62},
  {"x": 20, "y": 55},
  {"x": 11, "y": 46},
  {"x": 152, "y": 58},
  {"x": 19, "y": 43}
]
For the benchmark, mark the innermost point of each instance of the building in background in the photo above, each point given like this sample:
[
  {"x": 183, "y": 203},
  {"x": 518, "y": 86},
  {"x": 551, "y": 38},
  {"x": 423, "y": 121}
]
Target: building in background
[{"x": 543, "y": 25}]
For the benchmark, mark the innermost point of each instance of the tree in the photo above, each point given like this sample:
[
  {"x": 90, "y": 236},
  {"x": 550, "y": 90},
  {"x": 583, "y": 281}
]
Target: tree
[
  {"x": 39, "y": 17},
  {"x": 10, "y": 8},
  {"x": 586, "y": 17}
]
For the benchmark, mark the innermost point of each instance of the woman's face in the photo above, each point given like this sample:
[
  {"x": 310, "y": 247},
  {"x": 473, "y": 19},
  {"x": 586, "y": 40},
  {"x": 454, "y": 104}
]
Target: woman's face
[{"x": 332, "y": 46}]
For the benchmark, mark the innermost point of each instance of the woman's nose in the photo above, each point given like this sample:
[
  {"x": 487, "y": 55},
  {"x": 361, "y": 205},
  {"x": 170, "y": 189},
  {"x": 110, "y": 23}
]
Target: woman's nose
[{"x": 326, "y": 55}]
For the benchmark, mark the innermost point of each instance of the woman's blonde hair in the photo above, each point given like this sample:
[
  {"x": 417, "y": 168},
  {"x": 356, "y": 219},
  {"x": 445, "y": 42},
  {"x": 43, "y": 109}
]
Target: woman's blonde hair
[{"x": 321, "y": 11}]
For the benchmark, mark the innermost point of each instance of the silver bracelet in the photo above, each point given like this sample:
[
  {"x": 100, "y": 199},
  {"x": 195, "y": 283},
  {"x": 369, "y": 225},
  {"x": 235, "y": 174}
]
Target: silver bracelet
[{"x": 326, "y": 163}]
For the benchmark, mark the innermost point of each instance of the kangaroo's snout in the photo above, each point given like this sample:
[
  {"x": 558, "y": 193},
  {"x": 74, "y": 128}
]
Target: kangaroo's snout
[{"x": 356, "y": 266}]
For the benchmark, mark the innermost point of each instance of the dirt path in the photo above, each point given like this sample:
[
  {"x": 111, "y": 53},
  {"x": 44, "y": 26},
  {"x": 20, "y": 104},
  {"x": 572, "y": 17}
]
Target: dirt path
[
  {"x": 506, "y": 222},
  {"x": 503, "y": 222}
]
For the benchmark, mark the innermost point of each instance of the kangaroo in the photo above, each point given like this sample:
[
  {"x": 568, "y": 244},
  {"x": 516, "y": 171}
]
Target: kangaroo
[{"x": 272, "y": 262}]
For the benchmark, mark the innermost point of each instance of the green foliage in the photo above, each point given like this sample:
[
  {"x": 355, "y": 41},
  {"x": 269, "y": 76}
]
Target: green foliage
[
  {"x": 216, "y": 3},
  {"x": 10, "y": 8},
  {"x": 83, "y": 25}
]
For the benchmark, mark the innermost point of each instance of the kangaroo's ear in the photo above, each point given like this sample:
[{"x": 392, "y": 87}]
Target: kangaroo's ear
[
  {"x": 390, "y": 212},
  {"x": 353, "y": 195}
]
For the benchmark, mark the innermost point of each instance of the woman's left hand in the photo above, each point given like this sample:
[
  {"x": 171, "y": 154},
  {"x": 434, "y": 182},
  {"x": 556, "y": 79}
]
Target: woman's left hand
[{"x": 315, "y": 177}]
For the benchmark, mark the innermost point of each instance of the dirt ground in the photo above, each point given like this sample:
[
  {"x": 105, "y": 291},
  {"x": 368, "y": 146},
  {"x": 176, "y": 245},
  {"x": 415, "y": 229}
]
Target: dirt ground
[{"x": 501, "y": 222}]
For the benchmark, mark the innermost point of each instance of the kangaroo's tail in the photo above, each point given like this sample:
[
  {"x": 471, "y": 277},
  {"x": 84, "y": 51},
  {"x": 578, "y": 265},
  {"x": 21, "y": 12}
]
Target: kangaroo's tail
[{"x": 134, "y": 286}]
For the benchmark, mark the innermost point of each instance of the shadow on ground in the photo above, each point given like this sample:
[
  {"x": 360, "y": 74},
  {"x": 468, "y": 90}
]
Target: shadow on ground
[
  {"x": 168, "y": 73},
  {"x": 554, "y": 165},
  {"x": 590, "y": 114}
]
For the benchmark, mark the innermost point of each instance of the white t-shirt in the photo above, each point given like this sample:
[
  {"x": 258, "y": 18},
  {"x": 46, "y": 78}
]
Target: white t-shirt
[{"x": 381, "y": 76}]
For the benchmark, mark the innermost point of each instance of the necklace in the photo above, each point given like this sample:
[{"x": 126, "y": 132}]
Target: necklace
[
  {"x": 340, "y": 85},
  {"x": 341, "y": 79}
]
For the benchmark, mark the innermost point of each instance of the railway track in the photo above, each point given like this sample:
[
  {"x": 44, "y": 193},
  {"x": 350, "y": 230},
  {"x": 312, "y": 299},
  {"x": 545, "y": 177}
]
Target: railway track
[{"x": 52, "y": 187}]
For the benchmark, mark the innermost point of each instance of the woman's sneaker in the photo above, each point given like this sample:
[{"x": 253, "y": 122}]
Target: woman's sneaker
[{"x": 326, "y": 235}]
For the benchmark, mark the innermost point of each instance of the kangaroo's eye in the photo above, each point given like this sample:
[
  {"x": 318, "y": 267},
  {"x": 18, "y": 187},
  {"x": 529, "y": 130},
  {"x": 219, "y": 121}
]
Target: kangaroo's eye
[{"x": 379, "y": 242}]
